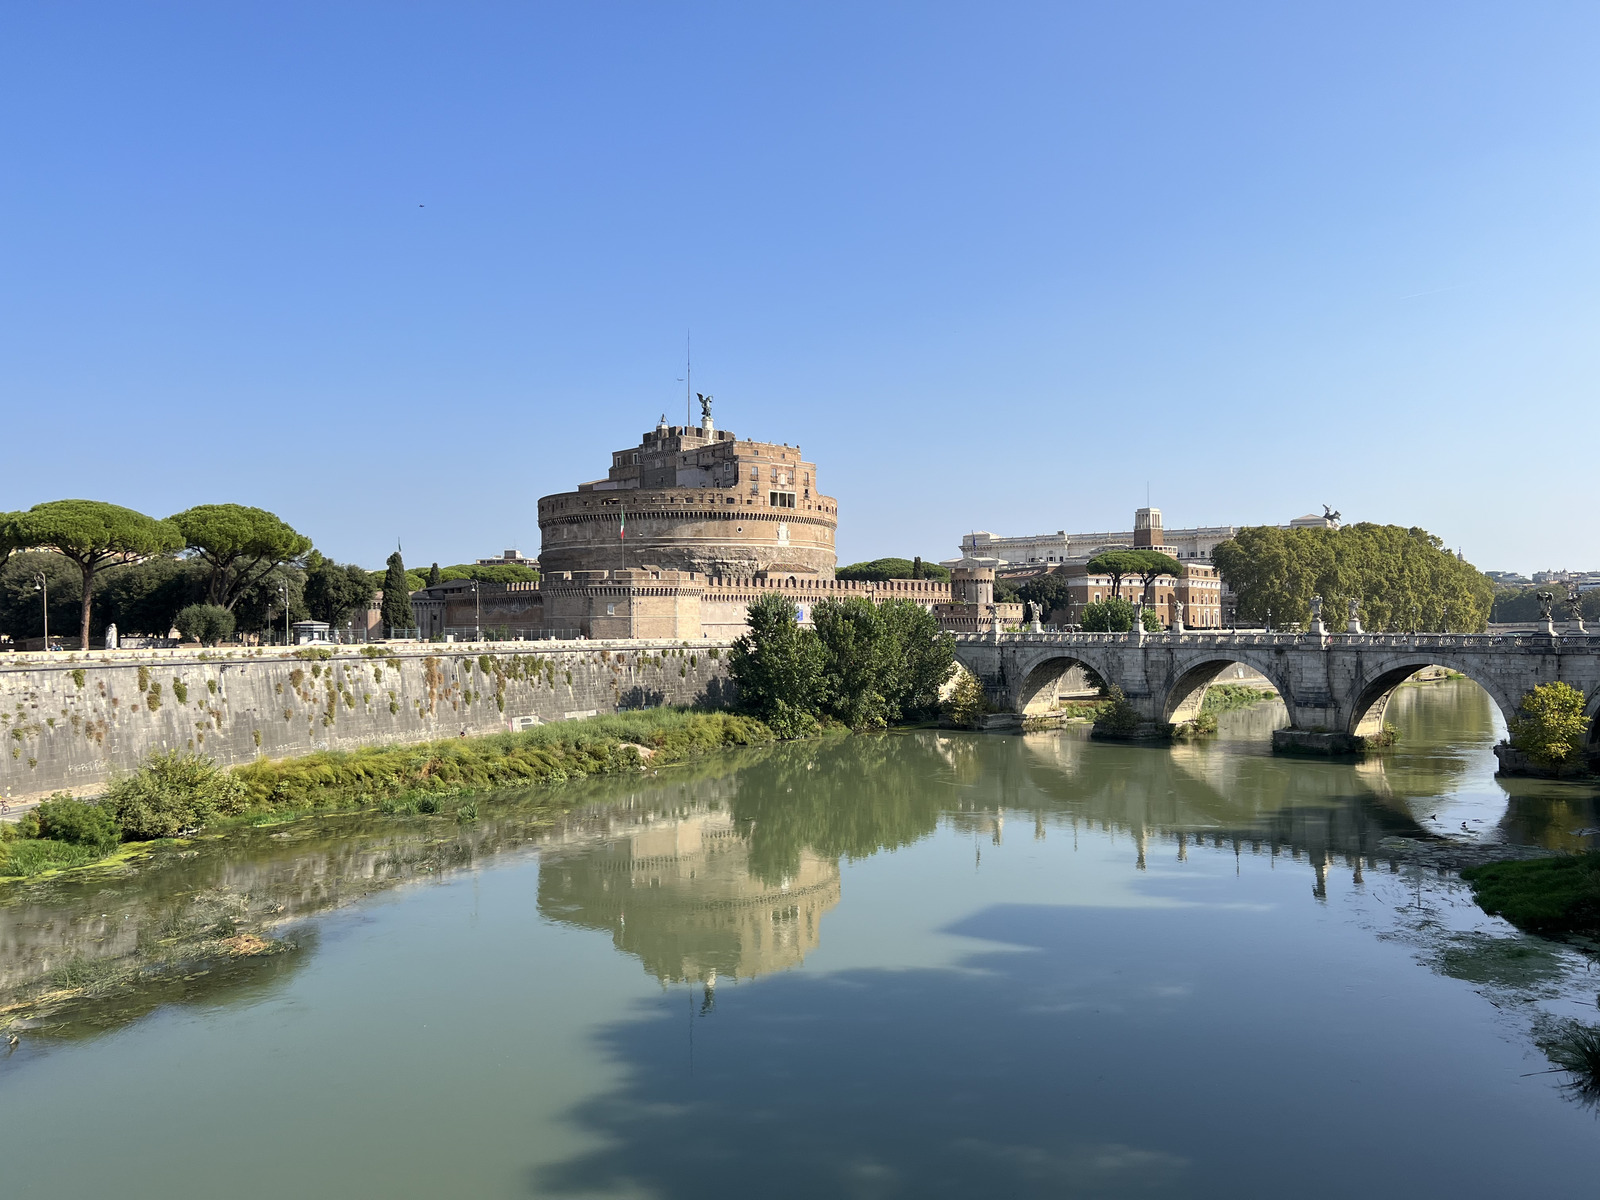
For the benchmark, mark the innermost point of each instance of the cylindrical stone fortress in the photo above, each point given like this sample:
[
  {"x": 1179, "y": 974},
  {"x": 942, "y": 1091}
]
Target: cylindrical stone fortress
[{"x": 694, "y": 499}]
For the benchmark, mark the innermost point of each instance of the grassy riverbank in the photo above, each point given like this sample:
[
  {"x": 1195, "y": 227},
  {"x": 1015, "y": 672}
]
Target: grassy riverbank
[
  {"x": 1225, "y": 697},
  {"x": 1552, "y": 896},
  {"x": 418, "y": 778}
]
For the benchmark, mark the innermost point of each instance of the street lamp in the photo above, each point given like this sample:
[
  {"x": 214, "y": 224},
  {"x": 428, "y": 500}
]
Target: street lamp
[
  {"x": 43, "y": 586},
  {"x": 283, "y": 586},
  {"x": 477, "y": 629}
]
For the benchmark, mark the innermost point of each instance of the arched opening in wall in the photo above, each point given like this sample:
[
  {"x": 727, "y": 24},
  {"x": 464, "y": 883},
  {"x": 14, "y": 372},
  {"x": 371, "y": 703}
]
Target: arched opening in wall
[
  {"x": 1224, "y": 686},
  {"x": 1428, "y": 702},
  {"x": 1058, "y": 683}
]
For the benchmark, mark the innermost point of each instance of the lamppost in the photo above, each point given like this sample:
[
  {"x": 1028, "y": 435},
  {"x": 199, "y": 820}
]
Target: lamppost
[
  {"x": 477, "y": 629},
  {"x": 283, "y": 586},
  {"x": 43, "y": 586},
  {"x": 1269, "y": 620}
]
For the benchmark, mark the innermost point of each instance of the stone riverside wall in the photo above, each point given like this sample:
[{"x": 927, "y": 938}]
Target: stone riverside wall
[{"x": 71, "y": 721}]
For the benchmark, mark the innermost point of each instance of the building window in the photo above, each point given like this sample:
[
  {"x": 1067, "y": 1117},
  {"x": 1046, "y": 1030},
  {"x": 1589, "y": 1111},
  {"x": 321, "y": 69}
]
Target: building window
[
  {"x": 611, "y": 610},
  {"x": 780, "y": 499}
]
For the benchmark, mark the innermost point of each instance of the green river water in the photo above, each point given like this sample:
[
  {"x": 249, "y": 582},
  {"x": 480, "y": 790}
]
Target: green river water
[{"x": 915, "y": 964}]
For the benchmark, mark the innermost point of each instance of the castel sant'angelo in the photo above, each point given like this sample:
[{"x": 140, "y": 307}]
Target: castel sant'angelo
[
  {"x": 694, "y": 500},
  {"x": 686, "y": 529}
]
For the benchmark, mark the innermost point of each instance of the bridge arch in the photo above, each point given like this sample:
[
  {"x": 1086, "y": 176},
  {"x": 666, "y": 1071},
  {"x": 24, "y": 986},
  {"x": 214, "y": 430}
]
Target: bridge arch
[
  {"x": 1046, "y": 678},
  {"x": 1186, "y": 693},
  {"x": 1377, "y": 686}
]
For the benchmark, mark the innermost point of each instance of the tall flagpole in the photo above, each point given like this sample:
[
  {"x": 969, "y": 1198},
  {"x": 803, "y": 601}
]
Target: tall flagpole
[{"x": 688, "y": 380}]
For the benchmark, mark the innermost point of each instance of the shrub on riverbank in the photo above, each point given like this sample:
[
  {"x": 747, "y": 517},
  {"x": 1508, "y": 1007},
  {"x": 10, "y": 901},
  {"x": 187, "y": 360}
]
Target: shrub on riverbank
[
  {"x": 61, "y": 832},
  {"x": 865, "y": 665},
  {"x": 173, "y": 793},
  {"x": 548, "y": 754},
  {"x": 1549, "y": 726},
  {"x": 79, "y": 823},
  {"x": 1545, "y": 895}
]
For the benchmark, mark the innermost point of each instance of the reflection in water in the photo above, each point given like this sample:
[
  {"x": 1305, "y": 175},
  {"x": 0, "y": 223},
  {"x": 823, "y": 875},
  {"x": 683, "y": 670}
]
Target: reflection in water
[
  {"x": 1197, "y": 919},
  {"x": 681, "y": 895},
  {"x": 727, "y": 868}
]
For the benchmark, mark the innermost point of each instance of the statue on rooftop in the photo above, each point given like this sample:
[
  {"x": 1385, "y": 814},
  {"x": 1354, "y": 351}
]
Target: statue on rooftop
[{"x": 705, "y": 406}]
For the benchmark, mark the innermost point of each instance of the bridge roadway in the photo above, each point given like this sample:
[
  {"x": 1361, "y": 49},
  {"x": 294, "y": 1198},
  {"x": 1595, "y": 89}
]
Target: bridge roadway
[{"x": 1336, "y": 683}]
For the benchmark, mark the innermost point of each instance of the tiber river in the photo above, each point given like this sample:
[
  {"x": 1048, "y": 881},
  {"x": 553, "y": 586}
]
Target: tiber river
[{"x": 918, "y": 964}]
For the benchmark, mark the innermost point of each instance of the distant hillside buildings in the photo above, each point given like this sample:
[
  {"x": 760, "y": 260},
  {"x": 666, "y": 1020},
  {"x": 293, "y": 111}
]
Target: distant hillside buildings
[
  {"x": 1043, "y": 551},
  {"x": 1205, "y": 599}
]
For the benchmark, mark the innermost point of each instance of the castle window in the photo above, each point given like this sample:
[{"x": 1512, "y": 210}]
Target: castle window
[{"x": 780, "y": 499}]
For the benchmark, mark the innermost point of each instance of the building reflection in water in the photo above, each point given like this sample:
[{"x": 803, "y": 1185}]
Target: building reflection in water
[
  {"x": 725, "y": 868},
  {"x": 679, "y": 894}
]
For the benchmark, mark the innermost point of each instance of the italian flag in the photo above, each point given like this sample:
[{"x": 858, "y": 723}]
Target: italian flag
[{"x": 622, "y": 529}]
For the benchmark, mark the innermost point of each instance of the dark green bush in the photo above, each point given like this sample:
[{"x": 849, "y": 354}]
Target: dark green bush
[
  {"x": 173, "y": 793},
  {"x": 208, "y": 623},
  {"x": 1120, "y": 717},
  {"x": 79, "y": 823}
]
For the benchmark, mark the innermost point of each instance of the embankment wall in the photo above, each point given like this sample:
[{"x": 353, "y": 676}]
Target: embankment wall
[{"x": 71, "y": 721}]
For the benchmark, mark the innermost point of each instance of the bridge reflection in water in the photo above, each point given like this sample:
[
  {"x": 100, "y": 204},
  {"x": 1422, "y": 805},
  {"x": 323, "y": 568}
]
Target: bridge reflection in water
[{"x": 729, "y": 867}]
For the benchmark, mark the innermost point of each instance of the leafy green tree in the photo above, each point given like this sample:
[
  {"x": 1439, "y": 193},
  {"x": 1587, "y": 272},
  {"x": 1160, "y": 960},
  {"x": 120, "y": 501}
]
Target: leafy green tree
[
  {"x": 334, "y": 591},
  {"x": 1006, "y": 592},
  {"x": 434, "y": 576},
  {"x": 1549, "y": 726},
  {"x": 880, "y": 570},
  {"x": 1403, "y": 579},
  {"x": 1119, "y": 564},
  {"x": 78, "y": 823},
  {"x": 489, "y": 573},
  {"x": 260, "y": 608},
  {"x": 146, "y": 597},
  {"x": 1049, "y": 591},
  {"x": 92, "y": 535},
  {"x": 207, "y": 623},
  {"x": 1153, "y": 565},
  {"x": 857, "y": 661},
  {"x": 397, "y": 596},
  {"x": 415, "y": 580},
  {"x": 777, "y": 667},
  {"x": 919, "y": 660},
  {"x": 21, "y": 605},
  {"x": 241, "y": 545},
  {"x": 6, "y": 544},
  {"x": 965, "y": 705},
  {"x": 1116, "y": 616}
]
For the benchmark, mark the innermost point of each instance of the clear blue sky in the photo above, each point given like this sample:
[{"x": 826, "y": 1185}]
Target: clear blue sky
[{"x": 397, "y": 270}]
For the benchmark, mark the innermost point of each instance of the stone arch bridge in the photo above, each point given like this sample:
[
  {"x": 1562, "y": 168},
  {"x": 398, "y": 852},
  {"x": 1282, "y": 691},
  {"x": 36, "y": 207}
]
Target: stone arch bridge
[{"x": 1335, "y": 684}]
